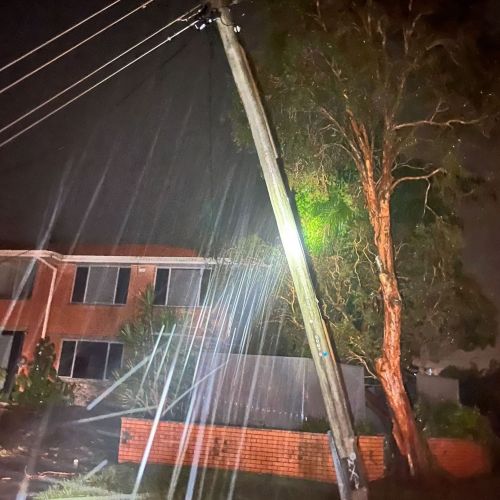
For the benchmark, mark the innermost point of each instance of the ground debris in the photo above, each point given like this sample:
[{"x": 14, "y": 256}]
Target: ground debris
[{"x": 50, "y": 476}]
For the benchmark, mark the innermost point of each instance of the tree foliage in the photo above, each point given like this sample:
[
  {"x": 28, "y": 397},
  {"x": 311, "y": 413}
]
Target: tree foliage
[
  {"x": 388, "y": 68},
  {"x": 40, "y": 385},
  {"x": 159, "y": 339},
  {"x": 450, "y": 419},
  {"x": 374, "y": 92}
]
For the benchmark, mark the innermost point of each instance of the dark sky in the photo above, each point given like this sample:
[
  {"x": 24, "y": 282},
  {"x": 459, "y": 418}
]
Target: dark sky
[{"x": 148, "y": 156}]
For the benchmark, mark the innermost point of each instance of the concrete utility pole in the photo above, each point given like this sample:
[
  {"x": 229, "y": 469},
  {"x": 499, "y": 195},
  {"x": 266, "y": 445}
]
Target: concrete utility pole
[{"x": 348, "y": 464}]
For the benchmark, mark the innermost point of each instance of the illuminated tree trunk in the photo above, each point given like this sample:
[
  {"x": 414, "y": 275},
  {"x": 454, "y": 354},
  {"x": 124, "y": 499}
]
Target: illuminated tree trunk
[
  {"x": 408, "y": 438},
  {"x": 377, "y": 192}
]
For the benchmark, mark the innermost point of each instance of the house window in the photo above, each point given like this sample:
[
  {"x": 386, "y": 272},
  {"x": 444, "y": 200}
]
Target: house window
[
  {"x": 180, "y": 287},
  {"x": 89, "y": 359},
  {"x": 16, "y": 278},
  {"x": 101, "y": 285}
]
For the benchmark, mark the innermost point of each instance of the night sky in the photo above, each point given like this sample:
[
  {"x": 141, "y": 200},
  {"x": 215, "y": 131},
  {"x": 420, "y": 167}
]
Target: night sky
[{"x": 148, "y": 156}]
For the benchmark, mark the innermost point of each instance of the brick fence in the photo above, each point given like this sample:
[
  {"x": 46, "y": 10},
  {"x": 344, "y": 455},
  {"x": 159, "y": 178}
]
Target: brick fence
[
  {"x": 459, "y": 457},
  {"x": 284, "y": 453}
]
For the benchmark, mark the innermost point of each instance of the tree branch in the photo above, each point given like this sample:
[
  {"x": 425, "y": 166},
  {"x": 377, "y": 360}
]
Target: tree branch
[
  {"x": 319, "y": 17},
  {"x": 415, "y": 178},
  {"x": 432, "y": 123},
  {"x": 341, "y": 130}
]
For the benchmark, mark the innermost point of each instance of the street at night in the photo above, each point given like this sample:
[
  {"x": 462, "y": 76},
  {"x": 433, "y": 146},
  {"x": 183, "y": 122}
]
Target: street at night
[{"x": 249, "y": 249}]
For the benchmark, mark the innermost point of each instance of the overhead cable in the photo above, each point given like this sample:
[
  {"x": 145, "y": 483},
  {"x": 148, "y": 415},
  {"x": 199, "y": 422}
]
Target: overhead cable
[
  {"x": 62, "y": 54},
  {"x": 184, "y": 18},
  {"x": 59, "y": 35},
  {"x": 81, "y": 94}
]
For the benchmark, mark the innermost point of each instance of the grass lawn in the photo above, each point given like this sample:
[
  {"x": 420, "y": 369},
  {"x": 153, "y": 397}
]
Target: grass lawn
[{"x": 217, "y": 484}]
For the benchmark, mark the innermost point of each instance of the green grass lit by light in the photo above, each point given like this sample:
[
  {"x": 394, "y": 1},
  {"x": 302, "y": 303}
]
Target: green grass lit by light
[{"x": 75, "y": 488}]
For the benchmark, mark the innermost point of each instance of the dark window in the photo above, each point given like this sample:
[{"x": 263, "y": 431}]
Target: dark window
[
  {"x": 205, "y": 280},
  {"x": 12, "y": 357},
  {"x": 122, "y": 285},
  {"x": 66, "y": 360},
  {"x": 80, "y": 284},
  {"x": 161, "y": 286},
  {"x": 89, "y": 360},
  {"x": 179, "y": 287},
  {"x": 114, "y": 359},
  {"x": 5, "y": 347},
  {"x": 101, "y": 285},
  {"x": 16, "y": 278},
  {"x": 184, "y": 287}
]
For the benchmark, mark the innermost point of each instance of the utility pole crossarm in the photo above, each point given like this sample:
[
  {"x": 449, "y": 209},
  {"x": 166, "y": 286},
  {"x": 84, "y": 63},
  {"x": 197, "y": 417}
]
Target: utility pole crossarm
[{"x": 350, "y": 476}]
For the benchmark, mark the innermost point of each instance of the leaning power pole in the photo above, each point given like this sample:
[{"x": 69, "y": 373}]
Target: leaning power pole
[{"x": 347, "y": 460}]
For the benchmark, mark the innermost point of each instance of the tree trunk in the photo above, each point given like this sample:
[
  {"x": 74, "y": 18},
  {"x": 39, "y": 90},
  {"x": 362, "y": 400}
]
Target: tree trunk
[
  {"x": 377, "y": 195},
  {"x": 408, "y": 438}
]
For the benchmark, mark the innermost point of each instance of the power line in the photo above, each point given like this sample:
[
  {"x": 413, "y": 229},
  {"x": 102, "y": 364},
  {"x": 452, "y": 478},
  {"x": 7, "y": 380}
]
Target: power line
[
  {"x": 62, "y": 54},
  {"x": 184, "y": 18},
  {"x": 59, "y": 35},
  {"x": 81, "y": 94}
]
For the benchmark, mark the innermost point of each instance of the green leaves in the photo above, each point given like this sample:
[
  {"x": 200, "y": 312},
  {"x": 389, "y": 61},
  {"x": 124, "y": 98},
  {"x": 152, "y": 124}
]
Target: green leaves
[
  {"x": 41, "y": 386},
  {"x": 325, "y": 215},
  {"x": 387, "y": 68},
  {"x": 140, "y": 339},
  {"x": 448, "y": 419}
]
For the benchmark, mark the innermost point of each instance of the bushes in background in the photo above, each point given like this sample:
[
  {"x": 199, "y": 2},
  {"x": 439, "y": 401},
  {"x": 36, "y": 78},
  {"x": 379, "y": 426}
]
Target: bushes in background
[{"x": 449, "y": 419}]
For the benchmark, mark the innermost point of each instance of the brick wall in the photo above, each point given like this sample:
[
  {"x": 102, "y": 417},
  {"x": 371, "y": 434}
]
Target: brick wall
[
  {"x": 67, "y": 320},
  {"x": 459, "y": 457},
  {"x": 74, "y": 321},
  {"x": 285, "y": 453},
  {"x": 27, "y": 315},
  {"x": 92, "y": 321}
]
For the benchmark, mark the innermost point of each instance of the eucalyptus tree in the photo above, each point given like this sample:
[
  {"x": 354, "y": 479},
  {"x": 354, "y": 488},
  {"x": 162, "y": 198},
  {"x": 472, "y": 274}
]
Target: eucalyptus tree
[{"x": 369, "y": 103}]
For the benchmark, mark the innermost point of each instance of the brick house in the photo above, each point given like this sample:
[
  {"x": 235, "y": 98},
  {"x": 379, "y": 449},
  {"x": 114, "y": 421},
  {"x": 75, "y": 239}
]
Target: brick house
[{"x": 81, "y": 298}]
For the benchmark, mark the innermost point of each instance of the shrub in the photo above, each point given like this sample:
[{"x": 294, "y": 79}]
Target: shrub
[
  {"x": 321, "y": 426},
  {"x": 365, "y": 428},
  {"x": 140, "y": 339},
  {"x": 316, "y": 425},
  {"x": 448, "y": 419},
  {"x": 41, "y": 386}
]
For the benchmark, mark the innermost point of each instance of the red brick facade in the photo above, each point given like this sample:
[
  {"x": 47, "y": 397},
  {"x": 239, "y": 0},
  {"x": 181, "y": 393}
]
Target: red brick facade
[
  {"x": 285, "y": 453},
  {"x": 80, "y": 321}
]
